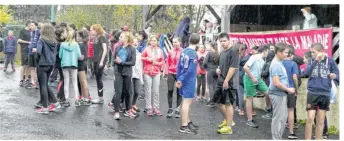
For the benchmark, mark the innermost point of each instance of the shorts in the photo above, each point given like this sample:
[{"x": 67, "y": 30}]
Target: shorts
[
  {"x": 32, "y": 61},
  {"x": 82, "y": 67},
  {"x": 226, "y": 97},
  {"x": 24, "y": 59},
  {"x": 291, "y": 100},
  {"x": 188, "y": 90},
  {"x": 251, "y": 88},
  {"x": 318, "y": 102}
]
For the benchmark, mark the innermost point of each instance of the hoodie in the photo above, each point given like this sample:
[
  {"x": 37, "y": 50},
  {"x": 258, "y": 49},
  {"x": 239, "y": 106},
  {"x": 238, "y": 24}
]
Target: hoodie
[
  {"x": 172, "y": 60},
  {"x": 10, "y": 45},
  {"x": 152, "y": 68},
  {"x": 35, "y": 35},
  {"x": 69, "y": 54},
  {"x": 46, "y": 51},
  {"x": 319, "y": 82}
]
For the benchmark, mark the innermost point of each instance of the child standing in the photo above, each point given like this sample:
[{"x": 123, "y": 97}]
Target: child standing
[{"x": 10, "y": 50}]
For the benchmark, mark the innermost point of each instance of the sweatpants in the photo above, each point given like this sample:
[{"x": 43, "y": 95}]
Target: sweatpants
[
  {"x": 212, "y": 81},
  {"x": 171, "y": 80},
  {"x": 136, "y": 89},
  {"x": 201, "y": 83},
  {"x": 123, "y": 86},
  {"x": 98, "y": 71},
  {"x": 9, "y": 58},
  {"x": 47, "y": 94},
  {"x": 279, "y": 116},
  {"x": 74, "y": 74},
  {"x": 152, "y": 84}
]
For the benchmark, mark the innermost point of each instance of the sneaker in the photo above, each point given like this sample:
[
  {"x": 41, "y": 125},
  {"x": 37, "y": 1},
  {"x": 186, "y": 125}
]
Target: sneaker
[
  {"x": 225, "y": 130},
  {"x": 136, "y": 109},
  {"x": 267, "y": 116},
  {"x": 100, "y": 100},
  {"x": 237, "y": 109},
  {"x": 111, "y": 107},
  {"x": 77, "y": 103},
  {"x": 224, "y": 123},
  {"x": 169, "y": 113},
  {"x": 176, "y": 114},
  {"x": 251, "y": 124},
  {"x": 129, "y": 114},
  {"x": 53, "y": 107},
  {"x": 292, "y": 136},
  {"x": 325, "y": 136},
  {"x": 210, "y": 104},
  {"x": 42, "y": 111},
  {"x": 185, "y": 129},
  {"x": 241, "y": 112},
  {"x": 38, "y": 105},
  {"x": 157, "y": 112},
  {"x": 149, "y": 112},
  {"x": 192, "y": 126},
  {"x": 21, "y": 83},
  {"x": 121, "y": 108},
  {"x": 66, "y": 104},
  {"x": 116, "y": 116},
  {"x": 87, "y": 102},
  {"x": 198, "y": 99}
]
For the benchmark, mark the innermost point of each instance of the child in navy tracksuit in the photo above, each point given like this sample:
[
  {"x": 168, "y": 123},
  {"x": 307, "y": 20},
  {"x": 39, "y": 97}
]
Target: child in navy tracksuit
[{"x": 10, "y": 50}]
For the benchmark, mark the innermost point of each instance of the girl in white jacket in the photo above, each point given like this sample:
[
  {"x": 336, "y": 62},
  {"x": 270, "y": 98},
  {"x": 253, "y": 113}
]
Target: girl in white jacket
[{"x": 137, "y": 78}]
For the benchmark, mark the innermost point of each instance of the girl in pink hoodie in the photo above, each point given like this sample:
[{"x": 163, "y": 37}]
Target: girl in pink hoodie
[
  {"x": 153, "y": 60},
  {"x": 170, "y": 73}
]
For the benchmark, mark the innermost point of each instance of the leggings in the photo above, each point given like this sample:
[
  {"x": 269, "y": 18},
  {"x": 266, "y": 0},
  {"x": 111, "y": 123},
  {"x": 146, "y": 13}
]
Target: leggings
[
  {"x": 74, "y": 74},
  {"x": 212, "y": 81},
  {"x": 171, "y": 79},
  {"x": 201, "y": 82},
  {"x": 123, "y": 87},
  {"x": 136, "y": 88},
  {"x": 98, "y": 71}
]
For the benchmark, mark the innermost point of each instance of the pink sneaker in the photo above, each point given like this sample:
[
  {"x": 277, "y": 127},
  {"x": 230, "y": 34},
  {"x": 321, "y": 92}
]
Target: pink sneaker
[
  {"x": 157, "y": 112},
  {"x": 149, "y": 112}
]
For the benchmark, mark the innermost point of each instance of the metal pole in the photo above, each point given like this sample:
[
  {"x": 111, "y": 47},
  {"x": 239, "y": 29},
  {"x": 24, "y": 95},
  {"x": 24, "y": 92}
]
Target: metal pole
[{"x": 52, "y": 13}]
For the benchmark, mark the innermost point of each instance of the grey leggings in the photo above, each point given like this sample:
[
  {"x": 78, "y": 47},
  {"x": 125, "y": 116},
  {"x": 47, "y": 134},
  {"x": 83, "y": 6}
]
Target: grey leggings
[{"x": 9, "y": 58}]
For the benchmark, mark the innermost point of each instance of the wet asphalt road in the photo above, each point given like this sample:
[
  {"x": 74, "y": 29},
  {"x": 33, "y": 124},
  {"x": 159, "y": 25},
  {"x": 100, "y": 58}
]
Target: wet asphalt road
[{"x": 19, "y": 121}]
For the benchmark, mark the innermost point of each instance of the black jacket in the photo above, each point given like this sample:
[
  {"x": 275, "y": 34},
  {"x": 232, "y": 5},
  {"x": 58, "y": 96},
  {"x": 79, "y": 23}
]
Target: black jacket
[
  {"x": 125, "y": 68},
  {"x": 265, "y": 71},
  {"x": 46, "y": 51}
]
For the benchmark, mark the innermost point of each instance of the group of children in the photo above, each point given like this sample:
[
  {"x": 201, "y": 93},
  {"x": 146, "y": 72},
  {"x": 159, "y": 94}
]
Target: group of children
[{"x": 225, "y": 78}]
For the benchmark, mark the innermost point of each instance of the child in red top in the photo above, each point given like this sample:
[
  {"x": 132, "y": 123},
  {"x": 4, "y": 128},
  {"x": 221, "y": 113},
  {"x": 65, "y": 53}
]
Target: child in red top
[
  {"x": 201, "y": 72},
  {"x": 153, "y": 60},
  {"x": 170, "y": 72}
]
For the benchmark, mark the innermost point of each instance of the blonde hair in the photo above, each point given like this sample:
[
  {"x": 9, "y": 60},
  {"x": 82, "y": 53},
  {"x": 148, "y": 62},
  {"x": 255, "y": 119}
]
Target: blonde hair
[
  {"x": 70, "y": 36},
  {"x": 308, "y": 9},
  {"x": 98, "y": 28},
  {"x": 128, "y": 37},
  {"x": 151, "y": 37}
]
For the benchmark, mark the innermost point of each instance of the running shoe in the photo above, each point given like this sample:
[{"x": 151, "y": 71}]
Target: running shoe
[
  {"x": 169, "y": 113},
  {"x": 225, "y": 130}
]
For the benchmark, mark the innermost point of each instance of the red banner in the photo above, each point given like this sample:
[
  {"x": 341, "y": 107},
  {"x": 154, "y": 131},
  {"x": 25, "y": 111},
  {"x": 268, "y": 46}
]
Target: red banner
[{"x": 301, "y": 40}]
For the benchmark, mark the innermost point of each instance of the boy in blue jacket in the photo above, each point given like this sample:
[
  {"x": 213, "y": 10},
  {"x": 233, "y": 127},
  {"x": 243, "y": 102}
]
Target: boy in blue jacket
[
  {"x": 186, "y": 79},
  {"x": 321, "y": 71},
  {"x": 10, "y": 50}
]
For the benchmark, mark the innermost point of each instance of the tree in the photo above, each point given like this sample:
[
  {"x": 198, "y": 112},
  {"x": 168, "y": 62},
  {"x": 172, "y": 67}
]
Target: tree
[{"x": 5, "y": 15}]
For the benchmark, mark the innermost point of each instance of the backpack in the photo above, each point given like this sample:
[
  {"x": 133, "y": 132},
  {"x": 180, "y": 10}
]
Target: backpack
[{"x": 90, "y": 49}]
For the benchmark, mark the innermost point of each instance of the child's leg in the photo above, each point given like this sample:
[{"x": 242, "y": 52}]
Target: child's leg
[{"x": 7, "y": 57}]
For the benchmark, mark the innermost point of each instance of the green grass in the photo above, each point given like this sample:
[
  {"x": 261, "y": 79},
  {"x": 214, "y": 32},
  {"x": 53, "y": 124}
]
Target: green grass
[{"x": 331, "y": 130}]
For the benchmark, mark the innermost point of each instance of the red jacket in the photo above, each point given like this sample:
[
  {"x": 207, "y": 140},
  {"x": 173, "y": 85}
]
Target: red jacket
[
  {"x": 172, "y": 61},
  {"x": 199, "y": 69},
  {"x": 90, "y": 49},
  {"x": 152, "y": 68}
]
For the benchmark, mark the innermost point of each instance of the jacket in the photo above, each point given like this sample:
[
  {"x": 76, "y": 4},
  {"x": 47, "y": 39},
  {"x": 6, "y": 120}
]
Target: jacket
[
  {"x": 10, "y": 45},
  {"x": 138, "y": 68},
  {"x": 319, "y": 82},
  {"x": 35, "y": 35},
  {"x": 200, "y": 66},
  {"x": 125, "y": 68},
  {"x": 46, "y": 51},
  {"x": 69, "y": 54},
  {"x": 172, "y": 60},
  {"x": 152, "y": 68}
]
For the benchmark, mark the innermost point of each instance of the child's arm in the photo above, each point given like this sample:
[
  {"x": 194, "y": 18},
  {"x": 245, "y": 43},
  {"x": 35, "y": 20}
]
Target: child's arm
[
  {"x": 39, "y": 47},
  {"x": 5, "y": 45},
  {"x": 160, "y": 62}
]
